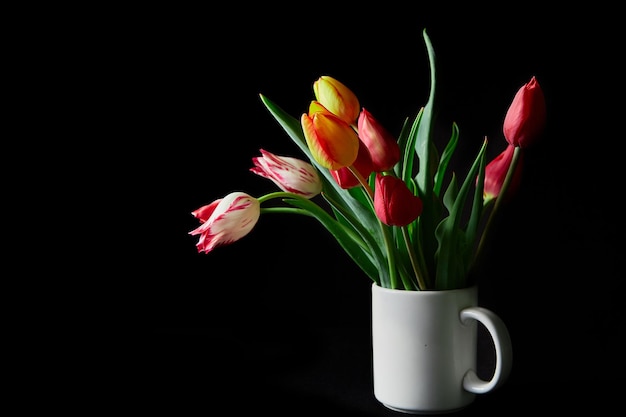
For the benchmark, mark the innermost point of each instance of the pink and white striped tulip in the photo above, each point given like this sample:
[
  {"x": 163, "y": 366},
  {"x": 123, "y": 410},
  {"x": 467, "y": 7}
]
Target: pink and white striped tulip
[
  {"x": 225, "y": 220},
  {"x": 291, "y": 175}
]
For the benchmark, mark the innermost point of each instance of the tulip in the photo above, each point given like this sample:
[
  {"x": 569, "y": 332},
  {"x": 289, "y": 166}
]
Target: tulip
[
  {"x": 332, "y": 142},
  {"x": 525, "y": 119},
  {"x": 495, "y": 173},
  {"x": 394, "y": 203},
  {"x": 337, "y": 98},
  {"x": 383, "y": 147},
  {"x": 291, "y": 175},
  {"x": 315, "y": 106},
  {"x": 225, "y": 220},
  {"x": 363, "y": 164}
]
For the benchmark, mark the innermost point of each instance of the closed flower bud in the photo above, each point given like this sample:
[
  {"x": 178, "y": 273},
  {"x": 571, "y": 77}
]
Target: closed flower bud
[
  {"x": 394, "y": 203},
  {"x": 337, "y": 98},
  {"x": 383, "y": 147},
  {"x": 363, "y": 164},
  {"x": 291, "y": 175},
  {"x": 495, "y": 174},
  {"x": 225, "y": 220},
  {"x": 332, "y": 142},
  {"x": 525, "y": 119}
]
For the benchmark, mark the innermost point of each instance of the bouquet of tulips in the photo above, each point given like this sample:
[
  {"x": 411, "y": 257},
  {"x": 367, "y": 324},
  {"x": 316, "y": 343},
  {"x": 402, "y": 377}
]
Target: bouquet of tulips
[{"x": 389, "y": 202}]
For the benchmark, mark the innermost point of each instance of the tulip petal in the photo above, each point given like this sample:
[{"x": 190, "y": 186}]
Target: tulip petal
[
  {"x": 291, "y": 175},
  {"x": 394, "y": 203},
  {"x": 383, "y": 147},
  {"x": 230, "y": 219},
  {"x": 332, "y": 142},
  {"x": 337, "y": 98},
  {"x": 525, "y": 119},
  {"x": 495, "y": 174},
  {"x": 363, "y": 164}
]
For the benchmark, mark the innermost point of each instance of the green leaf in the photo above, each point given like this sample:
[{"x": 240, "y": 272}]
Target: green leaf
[
  {"x": 449, "y": 197},
  {"x": 406, "y": 141},
  {"x": 424, "y": 232},
  {"x": 451, "y": 266},
  {"x": 424, "y": 146},
  {"x": 445, "y": 159},
  {"x": 348, "y": 240},
  {"x": 477, "y": 208}
]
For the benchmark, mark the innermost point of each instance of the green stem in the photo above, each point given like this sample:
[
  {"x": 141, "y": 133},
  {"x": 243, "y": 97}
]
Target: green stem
[
  {"x": 278, "y": 194},
  {"x": 292, "y": 210},
  {"x": 415, "y": 263},
  {"x": 501, "y": 196},
  {"x": 285, "y": 210},
  {"x": 393, "y": 278}
]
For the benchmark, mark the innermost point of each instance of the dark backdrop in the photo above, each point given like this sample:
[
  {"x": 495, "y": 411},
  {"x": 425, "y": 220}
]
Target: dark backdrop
[{"x": 281, "y": 317}]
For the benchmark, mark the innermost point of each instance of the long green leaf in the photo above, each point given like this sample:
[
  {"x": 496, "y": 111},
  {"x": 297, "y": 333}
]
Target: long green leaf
[
  {"x": 346, "y": 239},
  {"x": 445, "y": 158},
  {"x": 451, "y": 268},
  {"x": 477, "y": 208}
]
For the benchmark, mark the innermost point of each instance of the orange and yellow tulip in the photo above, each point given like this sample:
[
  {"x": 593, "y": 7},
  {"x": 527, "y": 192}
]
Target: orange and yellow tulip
[
  {"x": 363, "y": 164},
  {"x": 332, "y": 142}
]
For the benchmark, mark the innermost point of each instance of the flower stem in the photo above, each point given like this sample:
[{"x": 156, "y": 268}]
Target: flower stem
[
  {"x": 393, "y": 276},
  {"x": 415, "y": 263},
  {"x": 277, "y": 194},
  {"x": 286, "y": 210}
]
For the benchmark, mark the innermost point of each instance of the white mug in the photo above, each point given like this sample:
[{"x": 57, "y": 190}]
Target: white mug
[{"x": 424, "y": 349}]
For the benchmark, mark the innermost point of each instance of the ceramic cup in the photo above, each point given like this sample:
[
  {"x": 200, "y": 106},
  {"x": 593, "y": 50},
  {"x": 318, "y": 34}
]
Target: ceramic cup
[{"x": 424, "y": 349}]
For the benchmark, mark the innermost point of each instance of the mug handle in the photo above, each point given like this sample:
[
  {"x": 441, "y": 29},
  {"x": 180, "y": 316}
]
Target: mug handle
[{"x": 502, "y": 343}]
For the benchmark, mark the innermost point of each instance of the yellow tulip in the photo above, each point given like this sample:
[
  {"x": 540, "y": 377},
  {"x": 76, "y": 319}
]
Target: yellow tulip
[{"x": 337, "y": 98}]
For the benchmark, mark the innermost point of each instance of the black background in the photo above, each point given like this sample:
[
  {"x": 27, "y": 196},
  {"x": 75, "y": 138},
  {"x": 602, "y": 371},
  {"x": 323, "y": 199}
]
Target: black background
[{"x": 279, "y": 321}]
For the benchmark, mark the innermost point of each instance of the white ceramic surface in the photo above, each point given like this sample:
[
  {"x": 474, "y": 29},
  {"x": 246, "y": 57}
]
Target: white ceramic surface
[{"x": 424, "y": 349}]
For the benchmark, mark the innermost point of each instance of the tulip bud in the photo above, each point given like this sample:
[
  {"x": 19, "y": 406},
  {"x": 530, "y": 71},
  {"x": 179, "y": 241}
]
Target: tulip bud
[
  {"x": 525, "y": 119},
  {"x": 394, "y": 203},
  {"x": 363, "y": 164},
  {"x": 332, "y": 142},
  {"x": 495, "y": 174},
  {"x": 291, "y": 175},
  {"x": 337, "y": 98},
  {"x": 225, "y": 220},
  {"x": 383, "y": 147}
]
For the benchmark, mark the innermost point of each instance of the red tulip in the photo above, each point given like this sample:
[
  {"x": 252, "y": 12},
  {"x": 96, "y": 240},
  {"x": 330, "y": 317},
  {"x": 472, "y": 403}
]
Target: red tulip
[
  {"x": 383, "y": 147},
  {"x": 363, "y": 164},
  {"x": 225, "y": 220},
  {"x": 495, "y": 173},
  {"x": 394, "y": 203},
  {"x": 291, "y": 175},
  {"x": 525, "y": 119}
]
